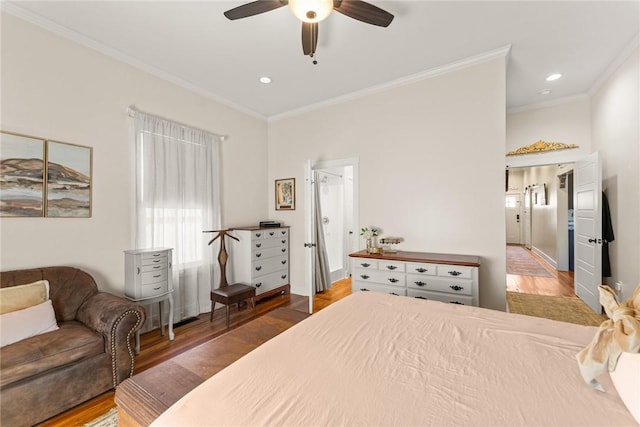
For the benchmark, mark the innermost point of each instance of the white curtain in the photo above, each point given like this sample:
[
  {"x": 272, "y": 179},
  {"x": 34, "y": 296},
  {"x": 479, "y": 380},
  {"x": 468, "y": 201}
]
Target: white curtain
[
  {"x": 177, "y": 198},
  {"x": 322, "y": 273}
]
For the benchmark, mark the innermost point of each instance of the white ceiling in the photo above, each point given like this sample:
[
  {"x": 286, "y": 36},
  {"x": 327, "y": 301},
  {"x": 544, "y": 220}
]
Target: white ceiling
[{"x": 194, "y": 45}]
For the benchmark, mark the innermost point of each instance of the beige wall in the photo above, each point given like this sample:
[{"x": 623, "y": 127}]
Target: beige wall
[
  {"x": 566, "y": 122},
  {"x": 616, "y": 135},
  {"x": 55, "y": 88},
  {"x": 431, "y": 163}
]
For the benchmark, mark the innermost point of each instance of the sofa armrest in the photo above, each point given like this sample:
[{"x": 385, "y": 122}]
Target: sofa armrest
[{"x": 116, "y": 319}]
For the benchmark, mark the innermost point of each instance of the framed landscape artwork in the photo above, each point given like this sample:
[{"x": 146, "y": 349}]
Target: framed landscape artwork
[
  {"x": 21, "y": 175},
  {"x": 40, "y": 177},
  {"x": 285, "y": 194},
  {"x": 68, "y": 180}
]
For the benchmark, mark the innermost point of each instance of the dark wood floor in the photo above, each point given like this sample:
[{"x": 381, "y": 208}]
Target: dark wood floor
[{"x": 155, "y": 349}]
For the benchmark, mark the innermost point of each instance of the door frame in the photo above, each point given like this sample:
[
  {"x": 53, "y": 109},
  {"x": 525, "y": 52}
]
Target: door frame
[{"x": 309, "y": 169}]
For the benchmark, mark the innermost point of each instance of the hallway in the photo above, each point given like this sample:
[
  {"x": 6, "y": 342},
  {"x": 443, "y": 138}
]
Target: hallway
[{"x": 559, "y": 284}]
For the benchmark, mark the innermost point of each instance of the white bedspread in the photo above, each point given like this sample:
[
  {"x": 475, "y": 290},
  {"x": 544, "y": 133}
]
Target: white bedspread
[{"x": 374, "y": 359}]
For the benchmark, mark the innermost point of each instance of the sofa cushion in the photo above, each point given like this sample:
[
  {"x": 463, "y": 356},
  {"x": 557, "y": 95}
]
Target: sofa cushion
[
  {"x": 71, "y": 342},
  {"x": 23, "y": 296},
  {"x": 28, "y": 322}
]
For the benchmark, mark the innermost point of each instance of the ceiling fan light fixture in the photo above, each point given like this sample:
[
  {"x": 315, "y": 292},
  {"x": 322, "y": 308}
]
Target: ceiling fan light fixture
[{"x": 311, "y": 11}]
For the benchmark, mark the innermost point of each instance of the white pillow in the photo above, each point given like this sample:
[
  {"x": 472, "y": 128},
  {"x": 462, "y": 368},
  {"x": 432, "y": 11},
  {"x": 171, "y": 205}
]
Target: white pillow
[
  {"x": 29, "y": 322},
  {"x": 626, "y": 379}
]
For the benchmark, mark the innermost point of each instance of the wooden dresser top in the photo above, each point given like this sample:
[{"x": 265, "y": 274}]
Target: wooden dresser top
[{"x": 453, "y": 259}]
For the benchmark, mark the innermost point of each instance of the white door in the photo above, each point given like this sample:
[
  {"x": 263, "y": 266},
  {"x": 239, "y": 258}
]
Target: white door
[
  {"x": 588, "y": 230},
  {"x": 309, "y": 234},
  {"x": 512, "y": 217},
  {"x": 527, "y": 218}
]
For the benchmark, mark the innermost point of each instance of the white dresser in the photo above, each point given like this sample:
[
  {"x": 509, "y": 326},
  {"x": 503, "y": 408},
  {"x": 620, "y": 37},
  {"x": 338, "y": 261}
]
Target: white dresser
[
  {"x": 148, "y": 279},
  {"x": 440, "y": 277},
  {"x": 260, "y": 258}
]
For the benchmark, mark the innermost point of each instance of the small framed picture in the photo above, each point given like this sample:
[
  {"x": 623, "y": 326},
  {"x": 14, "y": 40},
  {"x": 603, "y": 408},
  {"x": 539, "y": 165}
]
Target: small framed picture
[{"x": 285, "y": 194}]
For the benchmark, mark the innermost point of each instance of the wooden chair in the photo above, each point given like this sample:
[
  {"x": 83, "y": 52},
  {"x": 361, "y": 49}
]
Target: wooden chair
[{"x": 225, "y": 293}]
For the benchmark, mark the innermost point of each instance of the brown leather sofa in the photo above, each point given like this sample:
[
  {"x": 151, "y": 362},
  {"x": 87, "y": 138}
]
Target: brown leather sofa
[{"x": 89, "y": 354}]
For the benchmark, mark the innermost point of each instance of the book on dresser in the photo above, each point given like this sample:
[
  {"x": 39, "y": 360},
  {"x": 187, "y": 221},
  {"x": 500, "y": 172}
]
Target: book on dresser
[
  {"x": 440, "y": 277},
  {"x": 260, "y": 258}
]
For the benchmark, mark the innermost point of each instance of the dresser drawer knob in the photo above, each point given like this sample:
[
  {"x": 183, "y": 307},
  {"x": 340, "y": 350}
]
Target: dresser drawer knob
[
  {"x": 158, "y": 288},
  {"x": 155, "y": 267},
  {"x": 283, "y": 232},
  {"x": 138, "y": 270},
  {"x": 393, "y": 293},
  {"x": 364, "y": 276},
  {"x": 258, "y": 245},
  {"x": 258, "y": 284},
  {"x": 284, "y": 276},
  {"x": 284, "y": 241},
  {"x": 421, "y": 270},
  {"x": 456, "y": 302},
  {"x": 271, "y": 233},
  {"x": 258, "y": 255},
  {"x": 455, "y": 273},
  {"x": 283, "y": 262},
  {"x": 420, "y": 297},
  {"x": 258, "y": 268},
  {"x": 156, "y": 254},
  {"x": 420, "y": 284},
  {"x": 159, "y": 275},
  {"x": 258, "y": 234},
  {"x": 365, "y": 264},
  {"x": 364, "y": 289},
  {"x": 456, "y": 287},
  {"x": 283, "y": 250},
  {"x": 391, "y": 267},
  {"x": 393, "y": 279}
]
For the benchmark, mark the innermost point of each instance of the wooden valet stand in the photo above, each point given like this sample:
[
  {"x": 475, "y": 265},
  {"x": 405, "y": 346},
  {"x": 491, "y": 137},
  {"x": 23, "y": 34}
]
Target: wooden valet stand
[{"x": 225, "y": 293}]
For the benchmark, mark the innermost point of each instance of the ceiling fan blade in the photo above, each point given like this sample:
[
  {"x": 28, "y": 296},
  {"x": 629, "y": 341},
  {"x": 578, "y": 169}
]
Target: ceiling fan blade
[
  {"x": 254, "y": 8},
  {"x": 363, "y": 11},
  {"x": 309, "y": 38}
]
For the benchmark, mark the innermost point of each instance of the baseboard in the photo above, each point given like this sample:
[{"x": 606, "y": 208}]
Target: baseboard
[{"x": 552, "y": 262}]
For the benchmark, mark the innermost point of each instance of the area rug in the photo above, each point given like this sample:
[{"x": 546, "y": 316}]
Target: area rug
[
  {"x": 565, "y": 309},
  {"x": 110, "y": 419},
  {"x": 521, "y": 262}
]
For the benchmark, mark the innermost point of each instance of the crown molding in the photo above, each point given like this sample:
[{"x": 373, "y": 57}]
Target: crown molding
[
  {"x": 502, "y": 52},
  {"x": 547, "y": 104},
  {"x": 13, "y": 9}
]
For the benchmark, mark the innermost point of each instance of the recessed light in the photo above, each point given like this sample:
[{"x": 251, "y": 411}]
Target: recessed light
[
  {"x": 266, "y": 80},
  {"x": 545, "y": 92},
  {"x": 553, "y": 77}
]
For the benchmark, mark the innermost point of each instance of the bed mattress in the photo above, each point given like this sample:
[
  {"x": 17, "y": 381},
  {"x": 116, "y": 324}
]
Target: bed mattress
[{"x": 374, "y": 359}]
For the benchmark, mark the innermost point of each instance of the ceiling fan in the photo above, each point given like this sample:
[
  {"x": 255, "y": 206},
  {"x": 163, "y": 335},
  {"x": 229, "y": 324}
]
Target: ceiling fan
[{"x": 310, "y": 12}]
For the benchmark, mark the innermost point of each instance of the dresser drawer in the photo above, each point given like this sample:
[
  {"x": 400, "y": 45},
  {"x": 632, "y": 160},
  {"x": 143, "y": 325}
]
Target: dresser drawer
[
  {"x": 365, "y": 263},
  {"x": 276, "y": 232},
  {"x": 381, "y": 277},
  {"x": 163, "y": 261},
  {"x": 359, "y": 286},
  {"x": 268, "y": 253},
  {"x": 422, "y": 268},
  {"x": 154, "y": 267},
  {"x": 278, "y": 242},
  {"x": 457, "y": 271},
  {"x": 269, "y": 265},
  {"x": 154, "y": 289},
  {"x": 270, "y": 281},
  {"x": 393, "y": 266},
  {"x": 435, "y": 296},
  {"x": 440, "y": 284}
]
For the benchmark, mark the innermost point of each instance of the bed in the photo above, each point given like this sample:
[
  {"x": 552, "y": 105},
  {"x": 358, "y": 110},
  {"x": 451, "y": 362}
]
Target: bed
[{"x": 374, "y": 359}]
